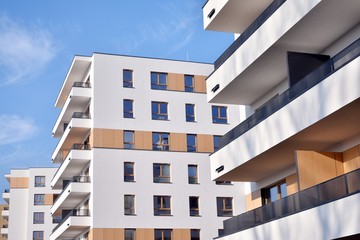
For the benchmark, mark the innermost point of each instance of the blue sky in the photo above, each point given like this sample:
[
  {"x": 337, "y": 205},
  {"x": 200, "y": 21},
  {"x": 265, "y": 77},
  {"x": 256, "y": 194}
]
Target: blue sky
[{"x": 39, "y": 39}]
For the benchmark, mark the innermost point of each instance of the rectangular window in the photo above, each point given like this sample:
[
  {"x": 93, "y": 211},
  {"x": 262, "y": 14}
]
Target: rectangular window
[
  {"x": 158, "y": 80},
  {"x": 129, "y": 234},
  {"x": 189, "y": 83},
  {"x": 216, "y": 143},
  {"x": 159, "y": 110},
  {"x": 195, "y": 234},
  {"x": 128, "y": 139},
  {"x": 224, "y": 206},
  {"x": 38, "y": 218},
  {"x": 39, "y": 181},
  {"x": 193, "y": 174},
  {"x": 273, "y": 193},
  {"x": 162, "y": 205},
  {"x": 128, "y": 108},
  {"x": 127, "y": 78},
  {"x": 129, "y": 204},
  {"x": 219, "y": 114},
  {"x": 160, "y": 141},
  {"x": 38, "y": 235},
  {"x": 161, "y": 173},
  {"x": 39, "y": 199},
  {"x": 163, "y": 234},
  {"x": 223, "y": 182},
  {"x": 191, "y": 142},
  {"x": 194, "y": 206},
  {"x": 129, "y": 175},
  {"x": 190, "y": 112}
]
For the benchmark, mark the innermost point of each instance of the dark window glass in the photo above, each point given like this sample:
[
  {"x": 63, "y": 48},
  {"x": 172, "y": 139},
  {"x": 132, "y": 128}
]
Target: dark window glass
[
  {"x": 195, "y": 234},
  {"x": 189, "y": 83},
  {"x": 162, "y": 205},
  {"x": 191, "y": 142},
  {"x": 273, "y": 193},
  {"x": 38, "y": 235},
  {"x": 190, "y": 112},
  {"x": 223, "y": 182},
  {"x": 193, "y": 174},
  {"x": 129, "y": 172},
  {"x": 162, "y": 234},
  {"x": 128, "y": 139},
  {"x": 160, "y": 141},
  {"x": 159, "y": 110},
  {"x": 219, "y": 114},
  {"x": 39, "y": 181},
  {"x": 216, "y": 143},
  {"x": 194, "y": 206},
  {"x": 224, "y": 206},
  {"x": 161, "y": 173},
  {"x": 128, "y": 108},
  {"x": 127, "y": 78},
  {"x": 129, "y": 234},
  {"x": 158, "y": 80},
  {"x": 129, "y": 204},
  {"x": 39, "y": 199},
  {"x": 38, "y": 218}
]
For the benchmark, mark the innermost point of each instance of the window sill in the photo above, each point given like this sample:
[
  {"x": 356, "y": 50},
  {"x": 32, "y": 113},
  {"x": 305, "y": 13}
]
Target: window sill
[
  {"x": 130, "y": 214},
  {"x": 163, "y": 182},
  {"x": 130, "y": 181},
  {"x": 160, "y": 119},
  {"x": 168, "y": 215}
]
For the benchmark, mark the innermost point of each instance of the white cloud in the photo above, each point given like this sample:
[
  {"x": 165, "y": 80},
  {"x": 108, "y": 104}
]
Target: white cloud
[
  {"x": 24, "y": 51},
  {"x": 14, "y": 129}
]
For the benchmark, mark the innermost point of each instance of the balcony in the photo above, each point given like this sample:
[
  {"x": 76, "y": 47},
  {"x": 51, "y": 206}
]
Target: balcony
[
  {"x": 4, "y": 230},
  {"x": 6, "y": 195},
  {"x": 314, "y": 114},
  {"x": 314, "y": 208},
  {"x": 232, "y": 15},
  {"x": 255, "y": 64},
  {"x": 74, "y": 192},
  {"x": 78, "y": 100},
  {"x": 76, "y": 131},
  {"x": 5, "y": 213},
  {"x": 73, "y": 163},
  {"x": 73, "y": 224}
]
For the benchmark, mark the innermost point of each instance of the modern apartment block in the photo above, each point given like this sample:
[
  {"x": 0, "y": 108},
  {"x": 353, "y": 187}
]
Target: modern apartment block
[
  {"x": 4, "y": 216},
  {"x": 29, "y": 199},
  {"x": 295, "y": 67},
  {"x": 134, "y": 141}
]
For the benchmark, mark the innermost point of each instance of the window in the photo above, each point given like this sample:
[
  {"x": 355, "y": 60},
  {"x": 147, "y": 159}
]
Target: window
[
  {"x": 128, "y": 108},
  {"x": 158, "y": 80},
  {"x": 127, "y": 78},
  {"x": 221, "y": 232},
  {"x": 162, "y": 234},
  {"x": 129, "y": 172},
  {"x": 189, "y": 83},
  {"x": 160, "y": 141},
  {"x": 223, "y": 182},
  {"x": 273, "y": 193},
  {"x": 193, "y": 174},
  {"x": 128, "y": 139},
  {"x": 129, "y": 204},
  {"x": 194, "y": 206},
  {"x": 195, "y": 234},
  {"x": 162, "y": 205},
  {"x": 159, "y": 110},
  {"x": 161, "y": 173},
  {"x": 190, "y": 112},
  {"x": 39, "y": 199},
  {"x": 38, "y": 218},
  {"x": 38, "y": 235},
  {"x": 39, "y": 181},
  {"x": 219, "y": 114},
  {"x": 191, "y": 142},
  {"x": 224, "y": 206},
  {"x": 129, "y": 234},
  {"x": 216, "y": 143}
]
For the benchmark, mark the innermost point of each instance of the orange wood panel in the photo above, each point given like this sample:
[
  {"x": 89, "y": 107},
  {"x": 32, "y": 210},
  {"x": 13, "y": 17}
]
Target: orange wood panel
[
  {"x": 118, "y": 138},
  {"x": 292, "y": 185},
  {"x": 200, "y": 84},
  {"x": 351, "y": 158},
  {"x": 253, "y": 200},
  {"x": 181, "y": 234},
  {"x": 205, "y": 143},
  {"x": 48, "y": 199},
  {"x": 19, "y": 182}
]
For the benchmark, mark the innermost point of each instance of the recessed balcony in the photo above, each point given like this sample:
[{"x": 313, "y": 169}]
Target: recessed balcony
[
  {"x": 72, "y": 225},
  {"x": 315, "y": 114},
  {"x": 5, "y": 213},
  {"x": 6, "y": 195},
  {"x": 72, "y": 164},
  {"x": 4, "y": 231},
  {"x": 74, "y": 192}
]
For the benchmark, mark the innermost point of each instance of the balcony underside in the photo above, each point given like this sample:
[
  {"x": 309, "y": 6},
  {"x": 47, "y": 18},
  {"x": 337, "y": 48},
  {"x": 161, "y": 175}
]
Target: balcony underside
[
  {"x": 319, "y": 119},
  {"x": 71, "y": 228}
]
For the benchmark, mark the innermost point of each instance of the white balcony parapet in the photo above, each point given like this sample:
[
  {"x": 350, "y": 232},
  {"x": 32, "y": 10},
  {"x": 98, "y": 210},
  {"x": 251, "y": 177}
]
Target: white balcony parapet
[{"x": 4, "y": 231}]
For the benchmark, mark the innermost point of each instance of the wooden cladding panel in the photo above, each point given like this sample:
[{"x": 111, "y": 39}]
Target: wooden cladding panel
[
  {"x": 181, "y": 234},
  {"x": 106, "y": 234},
  {"x": 200, "y": 84},
  {"x": 176, "y": 82},
  {"x": 292, "y": 185},
  {"x": 205, "y": 143},
  {"x": 253, "y": 200},
  {"x": 351, "y": 158},
  {"x": 48, "y": 199},
  {"x": 108, "y": 138},
  {"x": 144, "y": 234},
  {"x": 143, "y": 140},
  {"x": 178, "y": 142},
  {"x": 19, "y": 182}
]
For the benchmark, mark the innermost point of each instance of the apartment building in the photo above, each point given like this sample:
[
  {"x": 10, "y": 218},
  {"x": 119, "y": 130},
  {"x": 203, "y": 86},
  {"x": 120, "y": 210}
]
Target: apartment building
[
  {"x": 294, "y": 66},
  {"x": 29, "y": 199},
  {"x": 135, "y": 136},
  {"x": 4, "y": 215}
]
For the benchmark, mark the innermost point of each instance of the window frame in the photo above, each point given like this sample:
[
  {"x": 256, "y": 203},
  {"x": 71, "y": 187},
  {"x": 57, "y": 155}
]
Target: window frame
[
  {"x": 162, "y": 232},
  {"x": 266, "y": 196},
  {"x": 224, "y": 211},
  {"x": 158, "y": 179},
  {"x": 216, "y": 138},
  {"x": 189, "y": 88},
  {"x": 40, "y": 183},
  {"x": 38, "y": 218},
  {"x": 193, "y": 232},
  {"x": 190, "y": 138},
  {"x": 162, "y": 210},
  {"x": 217, "y": 117},
  {"x": 132, "y": 232},
  {"x": 132, "y": 142},
  {"x": 193, "y": 179},
  {"x": 194, "y": 211},
  {"x": 158, "y": 114},
  {"x": 164, "y": 143},
  {"x": 188, "y": 116},
  {"x": 40, "y": 201},
  {"x": 126, "y": 113},
  {"x": 131, "y": 209},
  {"x": 129, "y": 177},
  {"x": 128, "y": 83},
  {"x": 38, "y": 235},
  {"x": 157, "y": 85}
]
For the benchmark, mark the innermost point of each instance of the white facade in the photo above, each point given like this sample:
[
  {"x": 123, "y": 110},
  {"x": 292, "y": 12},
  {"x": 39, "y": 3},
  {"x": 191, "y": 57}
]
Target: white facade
[
  {"x": 28, "y": 217},
  {"x": 297, "y": 134},
  {"x": 102, "y": 195}
]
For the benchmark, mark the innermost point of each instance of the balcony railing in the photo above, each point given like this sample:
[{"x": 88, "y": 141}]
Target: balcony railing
[
  {"x": 85, "y": 115},
  {"x": 75, "y": 179},
  {"x": 73, "y": 213},
  {"x": 82, "y": 84},
  {"x": 332, "y": 190},
  {"x": 338, "y": 61}
]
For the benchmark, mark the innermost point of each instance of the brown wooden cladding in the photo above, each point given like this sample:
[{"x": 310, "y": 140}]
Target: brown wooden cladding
[
  {"x": 200, "y": 84},
  {"x": 143, "y": 140},
  {"x": 107, "y": 138},
  {"x": 205, "y": 143},
  {"x": 351, "y": 159},
  {"x": 181, "y": 234},
  {"x": 178, "y": 142},
  {"x": 176, "y": 82},
  {"x": 19, "y": 182},
  {"x": 253, "y": 200},
  {"x": 292, "y": 185},
  {"x": 48, "y": 199},
  {"x": 106, "y": 234}
]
